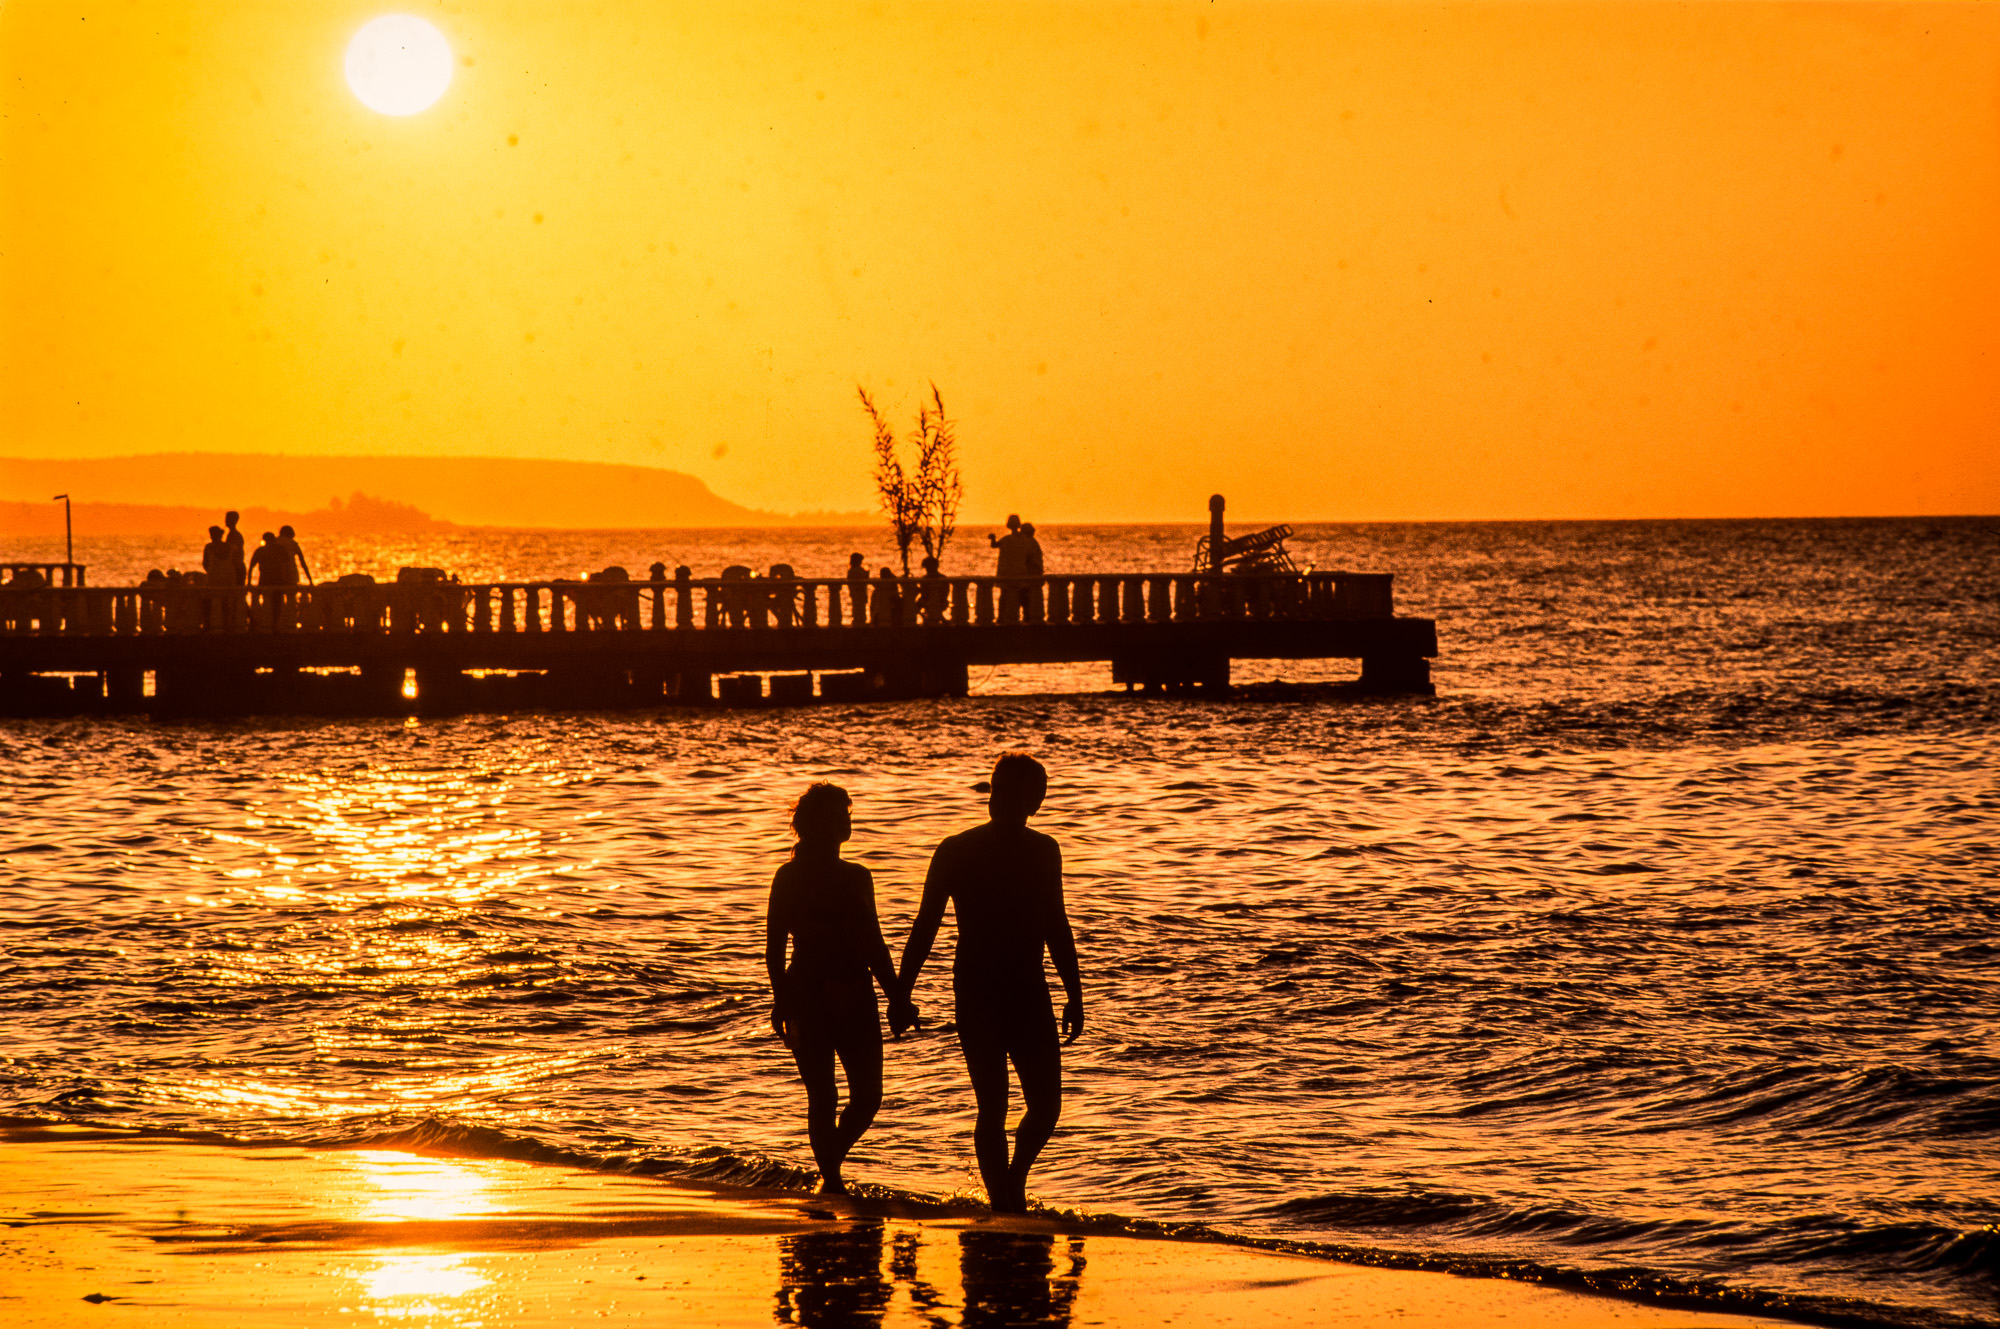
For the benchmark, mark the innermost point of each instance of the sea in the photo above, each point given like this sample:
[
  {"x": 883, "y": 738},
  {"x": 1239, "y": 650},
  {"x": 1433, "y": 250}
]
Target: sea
[{"x": 1658, "y": 952}]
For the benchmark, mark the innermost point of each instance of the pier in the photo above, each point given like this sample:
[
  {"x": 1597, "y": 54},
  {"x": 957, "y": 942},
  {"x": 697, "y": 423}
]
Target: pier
[{"x": 423, "y": 645}]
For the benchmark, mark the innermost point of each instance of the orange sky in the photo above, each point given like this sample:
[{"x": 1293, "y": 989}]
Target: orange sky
[{"x": 1336, "y": 261}]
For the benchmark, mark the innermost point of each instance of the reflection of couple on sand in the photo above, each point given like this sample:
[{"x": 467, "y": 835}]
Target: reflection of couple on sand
[{"x": 1005, "y": 883}]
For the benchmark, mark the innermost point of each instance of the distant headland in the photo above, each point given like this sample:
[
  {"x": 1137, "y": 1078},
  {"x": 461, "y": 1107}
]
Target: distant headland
[{"x": 160, "y": 492}]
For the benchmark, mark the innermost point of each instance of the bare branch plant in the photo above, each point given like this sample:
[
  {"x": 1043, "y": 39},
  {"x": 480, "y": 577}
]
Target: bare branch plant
[
  {"x": 922, "y": 507},
  {"x": 939, "y": 487},
  {"x": 898, "y": 494}
]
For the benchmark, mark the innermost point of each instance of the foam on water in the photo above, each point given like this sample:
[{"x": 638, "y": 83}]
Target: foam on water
[{"x": 1659, "y": 948}]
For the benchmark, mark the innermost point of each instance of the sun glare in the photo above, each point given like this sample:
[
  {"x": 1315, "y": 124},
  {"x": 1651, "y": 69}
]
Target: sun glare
[{"x": 398, "y": 65}]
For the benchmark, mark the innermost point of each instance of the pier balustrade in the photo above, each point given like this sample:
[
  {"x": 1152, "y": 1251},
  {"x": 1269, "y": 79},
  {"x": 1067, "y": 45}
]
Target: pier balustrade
[{"x": 790, "y": 605}]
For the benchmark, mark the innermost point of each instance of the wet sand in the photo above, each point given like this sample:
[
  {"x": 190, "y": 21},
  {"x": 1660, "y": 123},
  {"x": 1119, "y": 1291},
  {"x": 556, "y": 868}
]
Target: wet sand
[{"x": 104, "y": 1229}]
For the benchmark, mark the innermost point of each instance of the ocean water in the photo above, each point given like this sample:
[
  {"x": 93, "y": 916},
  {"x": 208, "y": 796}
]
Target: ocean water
[{"x": 1660, "y": 950}]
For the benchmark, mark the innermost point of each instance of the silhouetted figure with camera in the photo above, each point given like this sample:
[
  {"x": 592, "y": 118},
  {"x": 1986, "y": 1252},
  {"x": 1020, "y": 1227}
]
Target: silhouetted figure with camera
[
  {"x": 1001, "y": 541},
  {"x": 823, "y": 1001},
  {"x": 1004, "y": 883}
]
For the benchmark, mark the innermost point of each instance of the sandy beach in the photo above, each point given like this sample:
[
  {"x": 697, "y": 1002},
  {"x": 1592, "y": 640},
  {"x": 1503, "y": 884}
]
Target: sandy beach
[{"x": 110, "y": 1229}]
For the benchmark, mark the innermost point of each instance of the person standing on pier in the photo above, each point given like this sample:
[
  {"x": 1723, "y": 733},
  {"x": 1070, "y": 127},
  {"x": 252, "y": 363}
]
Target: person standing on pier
[
  {"x": 934, "y": 593},
  {"x": 272, "y": 564},
  {"x": 1004, "y": 882},
  {"x": 857, "y": 588},
  {"x": 823, "y": 1001},
  {"x": 239, "y": 570},
  {"x": 217, "y": 564},
  {"x": 1032, "y": 558},
  {"x": 288, "y": 539},
  {"x": 887, "y": 609},
  {"x": 217, "y": 569}
]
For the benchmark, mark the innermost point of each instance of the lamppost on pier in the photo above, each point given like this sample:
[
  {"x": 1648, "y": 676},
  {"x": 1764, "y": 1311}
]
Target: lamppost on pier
[{"x": 69, "y": 535}]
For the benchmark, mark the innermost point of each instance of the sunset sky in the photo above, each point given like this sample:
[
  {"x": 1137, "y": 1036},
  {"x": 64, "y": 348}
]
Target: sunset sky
[{"x": 1336, "y": 261}]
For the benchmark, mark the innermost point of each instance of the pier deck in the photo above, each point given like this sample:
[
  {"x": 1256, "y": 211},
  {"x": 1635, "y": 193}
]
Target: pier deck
[{"x": 442, "y": 647}]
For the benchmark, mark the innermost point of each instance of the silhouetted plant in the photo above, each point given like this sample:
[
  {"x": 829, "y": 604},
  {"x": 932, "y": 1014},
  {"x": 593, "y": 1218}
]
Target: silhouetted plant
[
  {"x": 922, "y": 506},
  {"x": 898, "y": 495},
  {"x": 938, "y": 485}
]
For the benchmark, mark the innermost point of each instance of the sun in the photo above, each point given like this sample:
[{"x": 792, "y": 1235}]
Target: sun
[{"x": 398, "y": 65}]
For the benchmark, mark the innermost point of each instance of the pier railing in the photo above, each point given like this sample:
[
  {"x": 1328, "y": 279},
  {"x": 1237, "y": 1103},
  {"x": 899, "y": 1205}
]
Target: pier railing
[{"x": 690, "y": 604}]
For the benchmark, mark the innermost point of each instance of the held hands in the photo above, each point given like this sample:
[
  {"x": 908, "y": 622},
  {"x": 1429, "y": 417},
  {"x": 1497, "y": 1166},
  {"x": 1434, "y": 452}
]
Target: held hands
[
  {"x": 1072, "y": 1019},
  {"x": 903, "y": 1015}
]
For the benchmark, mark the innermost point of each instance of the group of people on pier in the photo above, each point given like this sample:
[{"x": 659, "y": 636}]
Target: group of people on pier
[
  {"x": 278, "y": 563},
  {"x": 277, "y": 560}
]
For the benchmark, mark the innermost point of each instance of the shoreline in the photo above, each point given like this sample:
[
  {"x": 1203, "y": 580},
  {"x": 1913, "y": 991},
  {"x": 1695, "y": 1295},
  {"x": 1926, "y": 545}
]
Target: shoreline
[{"x": 201, "y": 1233}]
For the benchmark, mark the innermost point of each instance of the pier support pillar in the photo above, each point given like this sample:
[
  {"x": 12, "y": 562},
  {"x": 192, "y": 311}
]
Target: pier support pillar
[
  {"x": 204, "y": 690},
  {"x": 649, "y": 685},
  {"x": 690, "y": 688},
  {"x": 24, "y": 693},
  {"x": 284, "y": 693},
  {"x": 1397, "y": 673},
  {"x": 1172, "y": 673},
  {"x": 125, "y": 689},
  {"x": 944, "y": 678},
  {"x": 442, "y": 691},
  {"x": 932, "y": 677},
  {"x": 595, "y": 686},
  {"x": 381, "y": 691}
]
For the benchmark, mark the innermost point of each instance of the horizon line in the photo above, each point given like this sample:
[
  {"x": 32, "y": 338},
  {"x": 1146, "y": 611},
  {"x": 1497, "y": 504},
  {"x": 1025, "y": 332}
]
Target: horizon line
[{"x": 450, "y": 527}]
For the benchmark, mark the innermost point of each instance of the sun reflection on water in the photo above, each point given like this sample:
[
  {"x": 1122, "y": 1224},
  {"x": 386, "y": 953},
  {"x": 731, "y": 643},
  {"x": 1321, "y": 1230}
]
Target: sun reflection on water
[
  {"x": 390, "y": 1188},
  {"x": 422, "y": 1276},
  {"x": 398, "y": 1186},
  {"x": 422, "y": 1287}
]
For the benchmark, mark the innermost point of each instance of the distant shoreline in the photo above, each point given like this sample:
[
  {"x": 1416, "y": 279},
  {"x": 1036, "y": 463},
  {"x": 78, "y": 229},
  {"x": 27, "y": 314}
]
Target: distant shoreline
[
  {"x": 155, "y": 492},
  {"x": 360, "y": 515}
]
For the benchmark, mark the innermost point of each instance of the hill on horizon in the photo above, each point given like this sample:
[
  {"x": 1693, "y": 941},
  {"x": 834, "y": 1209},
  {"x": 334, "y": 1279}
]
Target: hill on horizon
[
  {"x": 359, "y": 515},
  {"x": 466, "y": 491}
]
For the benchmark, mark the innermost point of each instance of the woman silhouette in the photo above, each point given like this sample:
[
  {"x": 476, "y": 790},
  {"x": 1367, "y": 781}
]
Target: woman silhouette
[{"x": 823, "y": 1004}]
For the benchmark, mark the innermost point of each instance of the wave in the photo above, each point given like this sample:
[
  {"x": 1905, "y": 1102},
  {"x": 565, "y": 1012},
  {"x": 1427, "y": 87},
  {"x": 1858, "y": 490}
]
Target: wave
[
  {"x": 1946, "y": 1253},
  {"x": 1920, "y": 1247}
]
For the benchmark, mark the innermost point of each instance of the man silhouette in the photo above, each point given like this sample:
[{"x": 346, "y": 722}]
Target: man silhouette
[
  {"x": 273, "y": 566},
  {"x": 288, "y": 540},
  {"x": 1004, "y": 882},
  {"x": 1031, "y": 561},
  {"x": 857, "y": 588},
  {"x": 239, "y": 568},
  {"x": 1011, "y": 564}
]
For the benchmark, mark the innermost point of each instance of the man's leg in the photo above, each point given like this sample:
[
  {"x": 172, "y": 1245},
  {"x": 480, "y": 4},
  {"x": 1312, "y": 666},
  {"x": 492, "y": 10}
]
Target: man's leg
[
  {"x": 1038, "y": 1061},
  {"x": 986, "y": 1064}
]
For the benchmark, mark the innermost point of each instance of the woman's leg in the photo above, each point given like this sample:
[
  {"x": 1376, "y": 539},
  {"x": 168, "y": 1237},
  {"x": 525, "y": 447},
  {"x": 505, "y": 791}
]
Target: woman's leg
[
  {"x": 861, "y": 1058},
  {"x": 814, "y": 1054}
]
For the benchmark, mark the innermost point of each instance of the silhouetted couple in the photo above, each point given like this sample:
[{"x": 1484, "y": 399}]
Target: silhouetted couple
[
  {"x": 1019, "y": 553},
  {"x": 1005, "y": 884},
  {"x": 1019, "y": 557}
]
